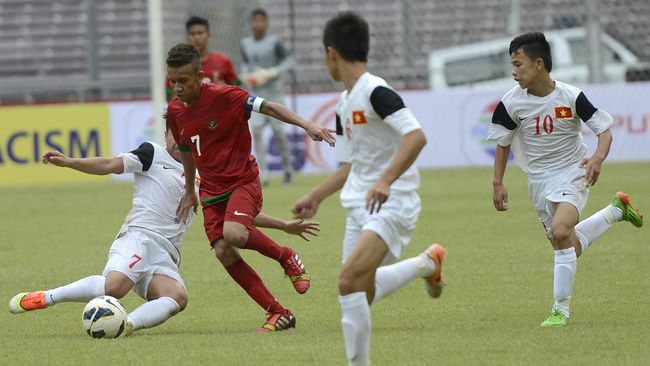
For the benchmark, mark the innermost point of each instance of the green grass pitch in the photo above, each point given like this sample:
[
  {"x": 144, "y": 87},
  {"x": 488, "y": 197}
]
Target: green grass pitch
[{"x": 499, "y": 272}]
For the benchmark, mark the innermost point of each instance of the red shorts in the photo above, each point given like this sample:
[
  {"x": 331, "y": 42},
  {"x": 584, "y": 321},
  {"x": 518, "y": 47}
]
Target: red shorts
[{"x": 244, "y": 204}]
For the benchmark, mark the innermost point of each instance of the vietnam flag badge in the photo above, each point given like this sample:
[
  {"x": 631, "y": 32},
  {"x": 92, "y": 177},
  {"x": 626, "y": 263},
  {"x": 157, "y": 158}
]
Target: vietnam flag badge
[
  {"x": 563, "y": 112},
  {"x": 358, "y": 118}
]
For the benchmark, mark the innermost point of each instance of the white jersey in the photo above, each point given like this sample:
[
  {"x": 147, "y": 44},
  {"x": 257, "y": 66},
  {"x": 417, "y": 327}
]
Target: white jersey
[
  {"x": 545, "y": 131},
  {"x": 371, "y": 121},
  {"x": 159, "y": 183}
]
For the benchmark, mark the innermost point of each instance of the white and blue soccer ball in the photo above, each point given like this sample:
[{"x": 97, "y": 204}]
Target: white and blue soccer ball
[{"x": 104, "y": 317}]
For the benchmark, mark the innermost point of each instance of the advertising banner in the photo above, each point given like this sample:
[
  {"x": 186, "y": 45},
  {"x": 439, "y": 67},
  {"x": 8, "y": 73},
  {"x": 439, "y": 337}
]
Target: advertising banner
[
  {"x": 132, "y": 123},
  {"x": 456, "y": 125},
  {"x": 26, "y": 133}
]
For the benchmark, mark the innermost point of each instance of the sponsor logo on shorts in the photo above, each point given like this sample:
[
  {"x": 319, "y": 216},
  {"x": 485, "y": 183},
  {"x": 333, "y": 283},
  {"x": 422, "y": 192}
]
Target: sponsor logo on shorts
[{"x": 237, "y": 213}]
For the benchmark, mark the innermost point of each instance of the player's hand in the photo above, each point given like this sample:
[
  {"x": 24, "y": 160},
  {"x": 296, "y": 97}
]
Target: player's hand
[
  {"x": 592, "y": 166},
  {"x": 500, "y": 197},
  {"x": 320, "y": 133},
  {"x": 265, "y": 75},
  {"x": 251, "y": 79},
  {"x": 254, "y": 79},
  {"x": 56, "y": 158},
  {"x": 377, "y": 195},
  {"x": 305, "y": 208},
  {"x": 189, "y": 201},
  {"x": 301, "y": 227}
]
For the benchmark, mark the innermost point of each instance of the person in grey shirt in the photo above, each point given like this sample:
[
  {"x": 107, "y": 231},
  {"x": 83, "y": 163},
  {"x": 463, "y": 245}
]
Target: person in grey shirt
[{"x": 265, "y": 61}]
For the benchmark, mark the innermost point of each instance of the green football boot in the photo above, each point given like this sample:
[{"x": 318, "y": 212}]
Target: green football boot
[
  {"x": 631, "y": 214},
  {"x": 557, "y": 319}
]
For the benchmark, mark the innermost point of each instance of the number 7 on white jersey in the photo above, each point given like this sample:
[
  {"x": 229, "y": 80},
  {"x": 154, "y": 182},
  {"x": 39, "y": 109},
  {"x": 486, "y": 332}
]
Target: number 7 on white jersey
[{"x": 197, "y": 140}]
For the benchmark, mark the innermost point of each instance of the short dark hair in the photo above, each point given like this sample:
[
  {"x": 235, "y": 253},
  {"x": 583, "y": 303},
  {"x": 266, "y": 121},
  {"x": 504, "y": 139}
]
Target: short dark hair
[
  {"x": 259, "y": 11},
  {"x": 194, "y": 20},
  {"x": 183, "y": 54},
  {"x": 348, "y": 34},
  {"x": 535, "y": 46}
]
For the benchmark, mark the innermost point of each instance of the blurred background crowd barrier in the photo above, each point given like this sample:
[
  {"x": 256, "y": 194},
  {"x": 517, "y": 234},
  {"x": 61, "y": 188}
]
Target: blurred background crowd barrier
[{"x": 449, "y": 58}]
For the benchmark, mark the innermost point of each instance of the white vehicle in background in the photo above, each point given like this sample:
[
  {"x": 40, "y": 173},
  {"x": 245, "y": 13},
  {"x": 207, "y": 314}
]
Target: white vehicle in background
[{"x": 486, "y": 65}]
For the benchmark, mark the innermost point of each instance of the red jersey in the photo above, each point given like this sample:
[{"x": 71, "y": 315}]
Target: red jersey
[
  {"x": 215, "y": 129},
  {"x": 218, "y": 69}
]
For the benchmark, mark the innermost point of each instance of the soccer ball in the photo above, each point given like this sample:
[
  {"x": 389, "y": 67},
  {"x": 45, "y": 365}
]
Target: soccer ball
[{"x": 104, "y": 317}]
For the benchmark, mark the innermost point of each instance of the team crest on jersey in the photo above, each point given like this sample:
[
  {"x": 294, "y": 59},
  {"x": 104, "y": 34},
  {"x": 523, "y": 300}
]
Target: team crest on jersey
[
  {"x": 358, "y": 118},
  {"x": 212, "y": 124},
  {"x": 563, "y": 112}
]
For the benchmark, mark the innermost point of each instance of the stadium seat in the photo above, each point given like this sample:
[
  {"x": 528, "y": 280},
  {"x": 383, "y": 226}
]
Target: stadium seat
[{"x": 45, "y": 39}]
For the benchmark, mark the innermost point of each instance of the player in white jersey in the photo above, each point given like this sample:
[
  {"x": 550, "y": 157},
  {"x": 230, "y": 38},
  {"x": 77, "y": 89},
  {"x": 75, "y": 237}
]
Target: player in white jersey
[
  {"x": 378, "y": 141},
  {"x": 541, "y": 119},
  {"x": 146, "y": 253}
]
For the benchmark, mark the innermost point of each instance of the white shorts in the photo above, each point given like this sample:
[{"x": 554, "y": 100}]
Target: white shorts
[
  {"x": 394, "y": 223},
  {"x": 139, "y": 256},
  {"x": 569, "y": 185}
]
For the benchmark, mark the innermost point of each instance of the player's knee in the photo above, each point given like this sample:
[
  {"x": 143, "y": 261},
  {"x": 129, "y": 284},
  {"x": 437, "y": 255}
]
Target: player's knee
[
  {"x": 225, "y": 253},
  {"x": 116, "y": 289},
  {"x": 117, "y": 284},
  {"x": 349, "y": 281},
  {"x": 181, "y": 300},
  {"x": 561, "y": 232},
  {"x": 236, "y": 238}
]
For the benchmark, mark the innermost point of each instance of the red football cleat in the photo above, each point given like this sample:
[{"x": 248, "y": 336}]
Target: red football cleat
[
  {"x": 278, "y": 321},
  {"x": 296, "y": 272}
]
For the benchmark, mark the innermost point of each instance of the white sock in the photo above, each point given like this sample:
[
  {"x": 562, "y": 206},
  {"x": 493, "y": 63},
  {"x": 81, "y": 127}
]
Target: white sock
[
  {"x": 591, "y": 228},
  {"x": 153, "y": 312},
  {"x": 564, "y": 275},
  {"x": 356, "y": 327},
  {"x": 389, "y": 279},
  {"x": 83, "y": 290}
]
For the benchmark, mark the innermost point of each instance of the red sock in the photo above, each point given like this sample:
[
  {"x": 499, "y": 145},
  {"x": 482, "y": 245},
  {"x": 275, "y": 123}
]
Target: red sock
[
  {"x": 264, "y": 245},
  {"x": 248, "y": 279}
]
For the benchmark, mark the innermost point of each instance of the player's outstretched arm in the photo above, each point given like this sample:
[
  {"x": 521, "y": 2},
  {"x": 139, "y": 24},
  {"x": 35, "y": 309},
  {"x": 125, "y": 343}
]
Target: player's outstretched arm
[
  {"x": 298, "y": 227},
  {"x": 189, "y": 200},
  {"x": 500, "y": 194},
  {"x": 592, "y": 164},
  {"x": 95, "y": 166},
  {"x": 408, "y": 151},
  {"x": 315, "y": 132},
  {"x": 307, "y": 206}
]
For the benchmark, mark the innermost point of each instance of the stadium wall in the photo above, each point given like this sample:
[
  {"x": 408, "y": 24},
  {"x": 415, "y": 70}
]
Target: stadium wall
[{"x": 456, "y": 124}]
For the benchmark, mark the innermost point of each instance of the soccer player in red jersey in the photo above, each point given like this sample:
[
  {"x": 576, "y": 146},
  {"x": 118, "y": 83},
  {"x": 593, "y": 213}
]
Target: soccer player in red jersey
[
  {"x": 210, "y": 125},
  {"x": 217, "y": 68}
]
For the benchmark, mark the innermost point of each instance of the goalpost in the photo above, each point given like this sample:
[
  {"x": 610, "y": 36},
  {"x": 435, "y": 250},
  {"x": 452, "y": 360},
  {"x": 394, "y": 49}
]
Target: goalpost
[{"x": 157, "y": 66}]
